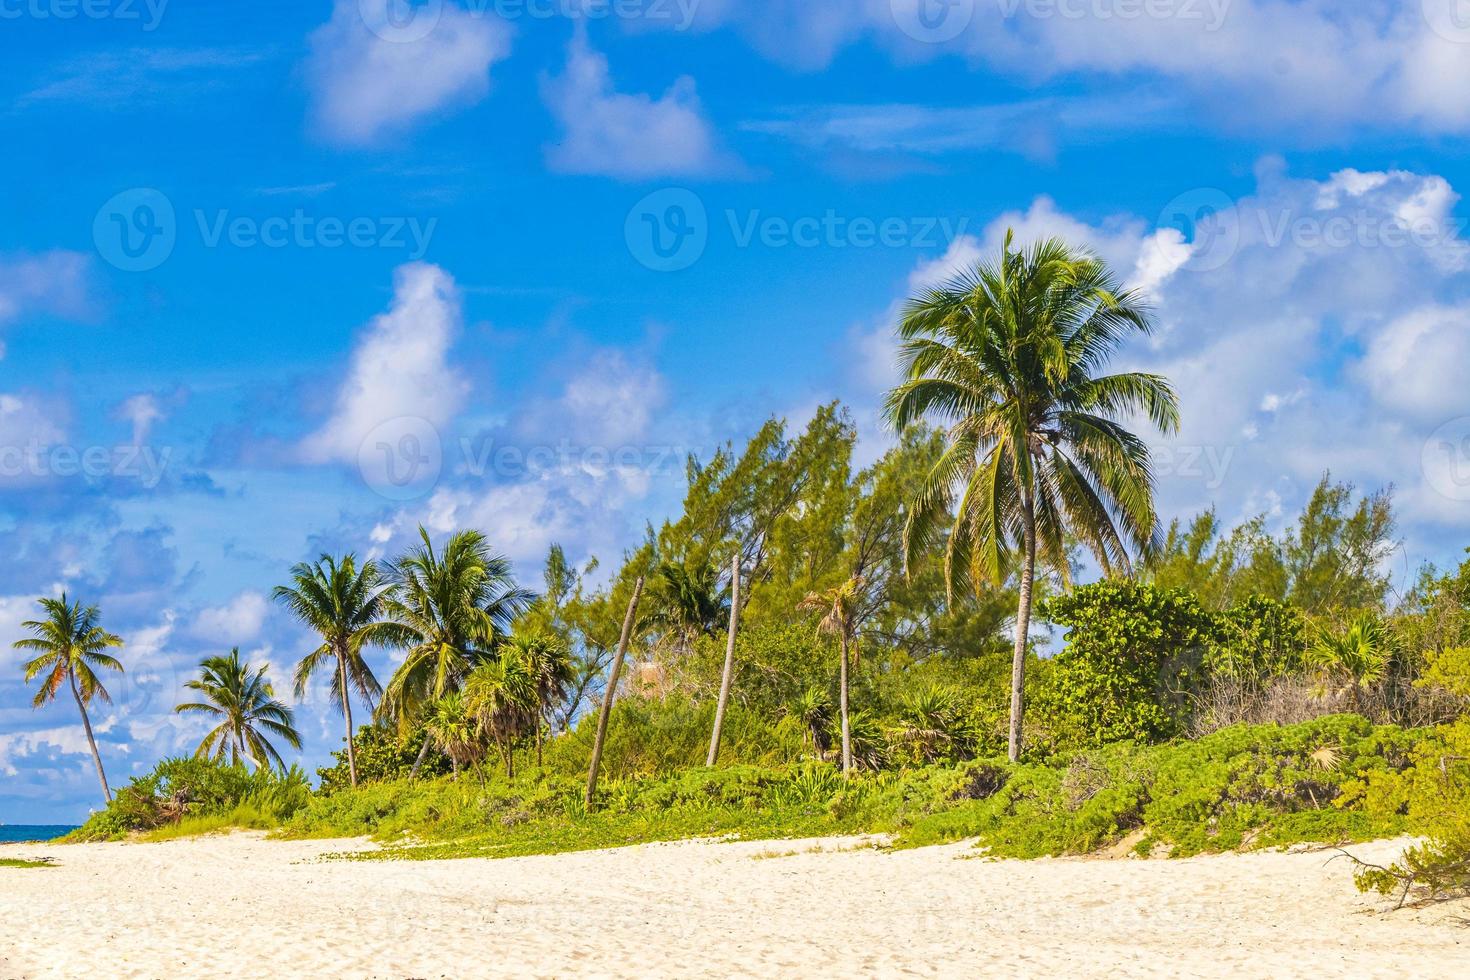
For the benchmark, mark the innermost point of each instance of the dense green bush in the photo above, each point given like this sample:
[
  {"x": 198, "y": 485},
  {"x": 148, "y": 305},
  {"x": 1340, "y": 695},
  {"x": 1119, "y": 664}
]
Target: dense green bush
[
  {"x": 178, "y": 789},
  {"x": 382, "y": 754},
  {"x": 1134, "y": 654}
]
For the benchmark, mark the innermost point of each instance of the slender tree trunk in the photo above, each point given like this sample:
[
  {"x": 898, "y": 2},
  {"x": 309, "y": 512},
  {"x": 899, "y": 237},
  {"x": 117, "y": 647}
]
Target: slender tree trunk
[
  {"x": 91, "y": 740},
  {"x": 347, "y": 713},
  {"x": 612, "y": 690},
  {"x": 842, "y": 706},
  {"x": 725, "y": 678},
  {"x": 510, "y": 760},
  {"x": 539, "y": 721},
  {"x": 423, "y": 754},
  {"x": 1023, "y": 627}
]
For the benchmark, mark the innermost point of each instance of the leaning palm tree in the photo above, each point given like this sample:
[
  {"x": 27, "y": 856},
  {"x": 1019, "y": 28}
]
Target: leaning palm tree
[
  {"x": 839, "y": 608},
  {"x": 448, "y": 609},
  {"x": 342, "y": 603},
  {"x": 1362, "y": 652},
  {"x": 245, "y": 703},
  {"x": 70, "y": 643},
  {"x": 1009, "y": 356}
]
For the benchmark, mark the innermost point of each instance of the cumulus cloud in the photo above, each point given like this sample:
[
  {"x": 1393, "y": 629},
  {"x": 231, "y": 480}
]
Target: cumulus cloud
[
  {"x": 627, "y": 136},
  {"x": 237, "y": 621},
  {"x": 400, "y": 367},
  {"x": 372, "y": 75},
  {"x": 1314, "y": 65},
  {"x": 55, "y": 283}
]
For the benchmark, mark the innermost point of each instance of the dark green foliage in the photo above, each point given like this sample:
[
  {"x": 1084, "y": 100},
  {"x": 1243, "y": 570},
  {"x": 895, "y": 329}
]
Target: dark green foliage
[
  {"x": 1258, "y": 638},
  {"x": 1241, "y": 787},
  {"x": 196, "y": 787},
  {"x": 381, "y": 755},
  {"x": 1133, "y": 655}
]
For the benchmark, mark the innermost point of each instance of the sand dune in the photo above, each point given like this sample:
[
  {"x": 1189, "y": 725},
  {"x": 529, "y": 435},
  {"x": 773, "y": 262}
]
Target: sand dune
[{"x": 241, "y": 906}]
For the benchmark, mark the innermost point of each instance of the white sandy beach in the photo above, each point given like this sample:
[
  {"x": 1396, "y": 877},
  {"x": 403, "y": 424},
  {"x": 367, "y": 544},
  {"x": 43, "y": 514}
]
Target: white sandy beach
[{"x": 242, "y": 906}]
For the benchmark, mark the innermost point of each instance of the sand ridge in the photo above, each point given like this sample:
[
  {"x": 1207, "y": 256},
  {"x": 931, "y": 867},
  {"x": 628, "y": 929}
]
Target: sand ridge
[{"x": 241, "y": 906}]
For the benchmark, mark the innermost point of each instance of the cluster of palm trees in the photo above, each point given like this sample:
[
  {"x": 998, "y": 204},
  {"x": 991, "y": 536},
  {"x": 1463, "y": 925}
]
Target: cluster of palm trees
[
  {"x": 466, "y": 678},
  {"x": 1007, "y": 356}
]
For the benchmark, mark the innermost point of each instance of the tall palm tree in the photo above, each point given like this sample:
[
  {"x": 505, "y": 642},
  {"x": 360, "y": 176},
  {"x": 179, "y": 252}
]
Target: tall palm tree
[
  {"x": 839, "y": 608},
  {"x": 550, "y": 665},
  {"x": 343, "y": 604},
  {"x": 1363, "y": 652},
  {"x": 1009, "y": 356},
  {"x": 69, "y": 643},
  {"x": 448, "y": 609},
  {"x": 245, "y": 703}
]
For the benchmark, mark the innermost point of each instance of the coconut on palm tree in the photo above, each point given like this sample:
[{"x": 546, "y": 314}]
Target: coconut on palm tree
[
  {"x": 343, "y": 604},
  {"x": 448, "y": 610},
  {"x": 69, "y": 645},
  {"x": 244, "y": 702},
  {"x": 1010, "y": 357},
  {"x": 839, "y": 607}
]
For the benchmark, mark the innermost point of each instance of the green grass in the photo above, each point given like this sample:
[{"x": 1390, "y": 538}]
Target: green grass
[
  {"x": 1241, "y": 788},
  {"x": 242, "y": 817},
  {"x": 22, "y": 863}
]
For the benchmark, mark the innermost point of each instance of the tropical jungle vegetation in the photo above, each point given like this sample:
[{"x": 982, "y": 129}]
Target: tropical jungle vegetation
[{"x": 901, "y": 646}]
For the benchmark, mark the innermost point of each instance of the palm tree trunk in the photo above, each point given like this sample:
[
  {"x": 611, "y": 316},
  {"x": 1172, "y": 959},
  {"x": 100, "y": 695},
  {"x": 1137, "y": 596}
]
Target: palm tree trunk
[
  {"x": 423, "y": 754},
  {"x": 1023, "y": 626},
  {"x": 612, "y": 690},
  {"x": 91, "y": 740},
  {"x": 347, "y": 713},
  {"x": 539, "y": 721},
  {"x": 714, "y": 739},
  {"x": 842, "y": 702}
]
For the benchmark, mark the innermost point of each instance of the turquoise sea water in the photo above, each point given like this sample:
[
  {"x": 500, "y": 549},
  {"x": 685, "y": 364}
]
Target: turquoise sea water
[{"x": 21, "y": 831}]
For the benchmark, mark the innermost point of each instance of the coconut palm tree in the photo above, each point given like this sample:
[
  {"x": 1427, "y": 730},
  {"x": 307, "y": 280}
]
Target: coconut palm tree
[
  {"x": 448, "y": 609},
  {"x": 343, "y": 604},
  {"x": 1009, "y": 356},
  {"x": 839, "y": 608},
  {"x": 1362, "y": 652},
  {"x": 70, "y": 643},
  {"x": 501, "y": 696},
  {"x": 549, "y": 662},
  {"x": 245, "y": 703}
]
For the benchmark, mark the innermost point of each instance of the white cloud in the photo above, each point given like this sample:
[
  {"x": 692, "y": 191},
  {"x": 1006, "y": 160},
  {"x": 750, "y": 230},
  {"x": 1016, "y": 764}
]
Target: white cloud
[
  {"x": 631, "y": 137},
  {"x": 55, "y": 282},
  {"x": 400, "y": 368},
  {"x": 1416, "y": 363},
  {"x": 237, "y": 621},
  {"x": 1314, "y": 65},
  {"x": 369, "y": 80},
  {"x": 141, "y": 410}
]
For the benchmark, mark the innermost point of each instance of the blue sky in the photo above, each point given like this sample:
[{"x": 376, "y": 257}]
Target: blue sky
[{"x": 299, "y": 276}]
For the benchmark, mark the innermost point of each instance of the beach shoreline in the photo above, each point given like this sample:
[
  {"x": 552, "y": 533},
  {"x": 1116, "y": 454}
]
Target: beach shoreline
[{"x": 239, "y": 904}]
